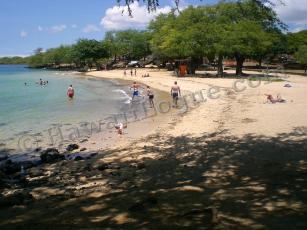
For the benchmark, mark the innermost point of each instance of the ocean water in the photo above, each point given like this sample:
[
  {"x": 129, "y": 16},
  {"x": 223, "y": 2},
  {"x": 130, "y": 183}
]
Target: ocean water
[{"x": 28, "y": 112}]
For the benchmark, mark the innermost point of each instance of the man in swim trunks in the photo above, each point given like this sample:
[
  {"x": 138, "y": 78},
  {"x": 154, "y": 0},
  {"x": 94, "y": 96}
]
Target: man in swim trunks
[
  {"x": 135, "y": 88},
  {"x": 70, "y": 92},
  {"x": 175, "y": 92},
  {"x": 150, "y": 97}
]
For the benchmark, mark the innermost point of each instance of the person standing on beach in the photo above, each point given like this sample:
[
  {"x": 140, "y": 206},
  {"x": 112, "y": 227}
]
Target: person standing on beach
[
  {"x": 135, "y": 88},
  {"x": 150, "y": 97},
  {"x": 131, "y": 72},
  {"x": 135, "y": 72},
  {"x": 70, "y": 92},
  {"x": 175, "y": 92}
]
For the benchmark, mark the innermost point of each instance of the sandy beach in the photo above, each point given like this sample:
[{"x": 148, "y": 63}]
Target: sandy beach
[
  {"x": 225, "y": 159},
  {"x": 240, "y": 111}
]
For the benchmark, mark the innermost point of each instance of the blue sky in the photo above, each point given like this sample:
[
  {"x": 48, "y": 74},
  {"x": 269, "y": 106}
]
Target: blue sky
[{"x": 28, "y": 24}]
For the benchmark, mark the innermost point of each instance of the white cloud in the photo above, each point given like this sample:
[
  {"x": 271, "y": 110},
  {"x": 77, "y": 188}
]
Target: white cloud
[
  {"x": 118, "y": 18},
  {"x": 74, "y": 26},
  {"x": 90, "y": 29},
  {"x": 39, "y": 28},
  {"x": 57, "y": 28},
  {"x": 293, "y": 12},
  {"x": 23, "y": 34}
]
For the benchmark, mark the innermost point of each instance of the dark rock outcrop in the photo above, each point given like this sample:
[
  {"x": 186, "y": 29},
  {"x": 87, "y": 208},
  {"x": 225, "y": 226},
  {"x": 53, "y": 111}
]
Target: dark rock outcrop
[
  {"x": 72, "y": 147},
  {"x": 51, "y": 155},
  {"x": 3, "y": 154},
  {"x": 78, "y": 158},
  {"x": 10, "y": 167}
]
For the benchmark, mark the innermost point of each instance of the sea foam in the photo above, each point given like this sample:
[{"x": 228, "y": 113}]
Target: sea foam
[{"x": 127, "y": 98}]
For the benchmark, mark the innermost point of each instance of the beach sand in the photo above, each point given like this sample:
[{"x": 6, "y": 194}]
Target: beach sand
[
  {"x": 223, "y": 160},
  {"x": 239, "y": 113}
]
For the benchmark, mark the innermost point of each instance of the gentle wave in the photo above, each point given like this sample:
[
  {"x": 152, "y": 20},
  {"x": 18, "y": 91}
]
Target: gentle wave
[{"x": 126, "y": 96}]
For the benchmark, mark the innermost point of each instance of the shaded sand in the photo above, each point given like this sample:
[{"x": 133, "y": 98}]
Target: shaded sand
[{"x": 230, "y": 163}]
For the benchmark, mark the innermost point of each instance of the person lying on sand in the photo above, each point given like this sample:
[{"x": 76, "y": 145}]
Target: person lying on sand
[
  {"x": 120, "y": 127},
  {"x": 271, "y": 99}
]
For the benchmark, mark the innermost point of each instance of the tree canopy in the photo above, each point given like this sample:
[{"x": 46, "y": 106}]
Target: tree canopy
[
  {"x": 301, "y": 56},
  {"x": 153, "y": 4},
  {"x": 242, "y": 29},
  {"x": 234, "y": 29}
]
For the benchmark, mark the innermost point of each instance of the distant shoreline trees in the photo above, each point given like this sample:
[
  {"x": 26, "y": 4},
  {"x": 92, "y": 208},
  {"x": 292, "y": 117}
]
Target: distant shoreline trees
[{"x": 236, "y": 30}]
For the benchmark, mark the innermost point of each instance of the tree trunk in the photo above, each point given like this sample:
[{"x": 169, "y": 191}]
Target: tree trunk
[
  {"x": 195, "y": 62},
  {"x": 260, "y": 62},
  {"x": 239, "y": 68},
  {"x": 220, "y": 70}
]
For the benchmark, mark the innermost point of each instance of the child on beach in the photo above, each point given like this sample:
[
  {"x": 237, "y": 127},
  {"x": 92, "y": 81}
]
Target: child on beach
[{"x": 120, "y": 127}]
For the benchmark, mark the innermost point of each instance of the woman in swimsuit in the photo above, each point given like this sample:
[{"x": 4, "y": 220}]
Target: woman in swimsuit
[{"x": 150, "y": 97}]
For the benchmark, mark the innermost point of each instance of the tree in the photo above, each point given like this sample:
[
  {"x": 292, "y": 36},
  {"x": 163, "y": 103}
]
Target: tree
[
  {"x": 249, "y": 29},
  {"x": 153, "y": 4},
  {"x": 296, "y": 40},
  {"x": 88, "y": 52},
  {"x": 38, "y": 50},
  {"x": 59, "y": 55},
  {"x": 131, "y": 44},
  {"x": 190, "y": 34},
  {"x": 111, "y": 44},
  {"x": 234, "y": 29},
  {"x": 301, "y": 56},
  {"x": 13, "y": 60}
]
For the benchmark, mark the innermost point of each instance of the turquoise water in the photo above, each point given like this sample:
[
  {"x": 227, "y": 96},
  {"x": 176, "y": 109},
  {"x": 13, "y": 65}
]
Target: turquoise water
[{"x": 33, "y": 109}]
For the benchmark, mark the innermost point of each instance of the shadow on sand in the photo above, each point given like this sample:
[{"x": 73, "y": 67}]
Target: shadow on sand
[{"x": 254, "y": 182}]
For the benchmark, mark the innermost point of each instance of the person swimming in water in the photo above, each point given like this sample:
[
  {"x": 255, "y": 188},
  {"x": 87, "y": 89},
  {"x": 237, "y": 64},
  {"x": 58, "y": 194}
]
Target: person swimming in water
[
  {"x": 70, "y": 92},
  {"x": 175, "y": 92}
]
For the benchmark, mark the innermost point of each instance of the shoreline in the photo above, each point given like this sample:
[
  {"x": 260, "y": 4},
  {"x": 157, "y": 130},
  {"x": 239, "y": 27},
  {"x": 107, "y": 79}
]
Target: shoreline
[
  {"x": 192, "y": 108},
  {"x": 141, "y": 124},
  {"x": 105, "y": 137}
]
